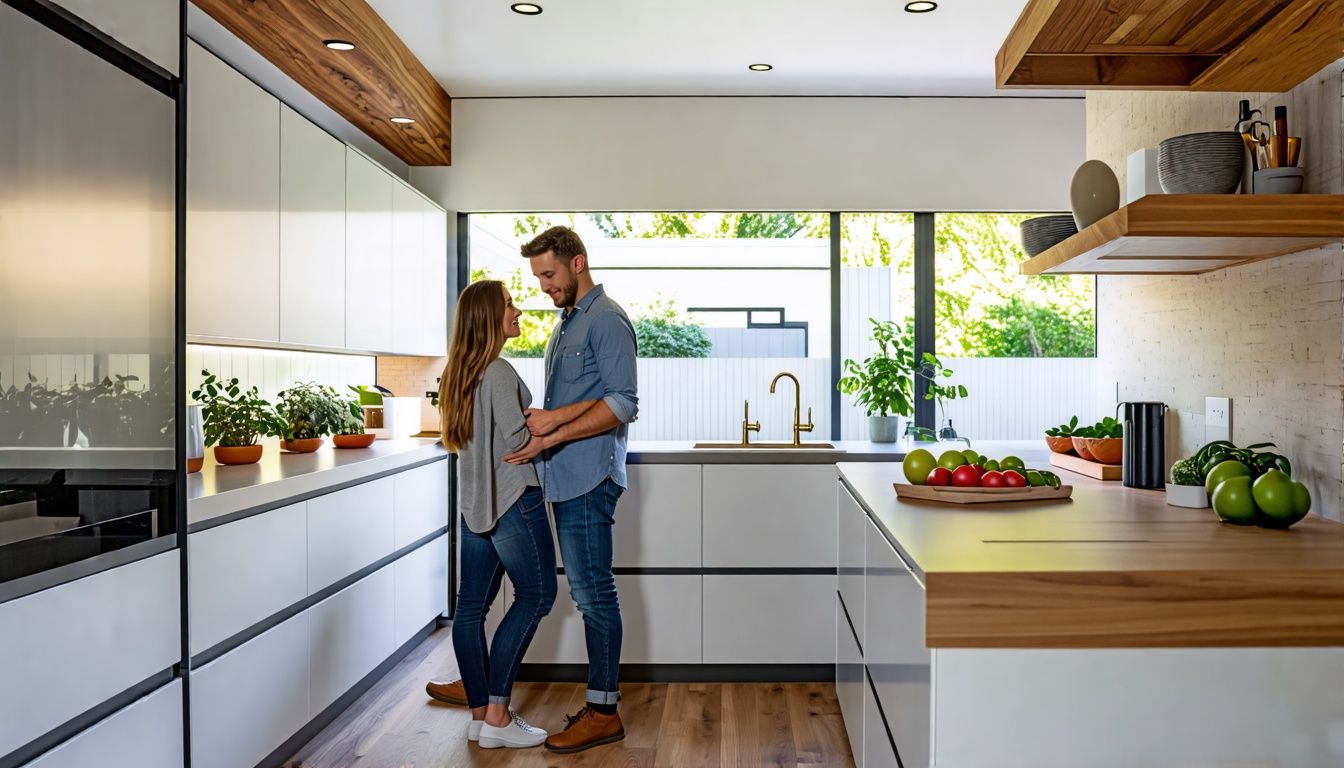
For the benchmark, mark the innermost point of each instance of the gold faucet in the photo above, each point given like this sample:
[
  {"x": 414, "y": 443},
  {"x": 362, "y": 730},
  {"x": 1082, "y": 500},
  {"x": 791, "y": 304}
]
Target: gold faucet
[
  {"x": 748, "y": 426},
  {"x": 798, "y": 426}
]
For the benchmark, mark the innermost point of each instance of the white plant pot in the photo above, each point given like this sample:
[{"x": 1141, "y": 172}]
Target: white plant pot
[
  {"x": 1193, "y": 496},
  {"x": 884, "y": 429}
]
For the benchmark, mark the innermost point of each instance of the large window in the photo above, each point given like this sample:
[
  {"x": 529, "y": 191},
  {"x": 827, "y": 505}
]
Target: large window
[{"x": 722, "y": 302}]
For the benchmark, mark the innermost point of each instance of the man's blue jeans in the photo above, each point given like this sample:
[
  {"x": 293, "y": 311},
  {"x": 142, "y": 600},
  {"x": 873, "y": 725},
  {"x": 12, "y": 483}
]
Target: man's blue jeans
[
  {"x": 583, "y": 526},
  {"x": 521, "y": 546}
]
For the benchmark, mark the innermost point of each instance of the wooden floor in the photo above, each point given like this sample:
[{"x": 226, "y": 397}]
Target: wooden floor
[{"x": 395, "y": 725}]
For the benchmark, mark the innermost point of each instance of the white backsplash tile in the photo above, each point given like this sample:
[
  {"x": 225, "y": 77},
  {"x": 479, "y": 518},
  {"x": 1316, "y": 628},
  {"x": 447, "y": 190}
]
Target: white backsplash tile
[{"x": 271, "y": 370}]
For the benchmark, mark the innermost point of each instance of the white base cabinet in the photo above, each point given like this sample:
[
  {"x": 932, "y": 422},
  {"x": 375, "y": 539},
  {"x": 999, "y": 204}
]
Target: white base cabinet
[
  {"x": 422, "y": 589},
  {"x": 350, "y": 633},
  {"x": 144, "y": 734},
  {"x": 849, "y": 683},
  {"x": 660, "y": 621},
  {"x": 768, "y": 619}
]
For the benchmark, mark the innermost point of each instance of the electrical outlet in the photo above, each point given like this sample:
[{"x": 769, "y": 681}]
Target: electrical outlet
[{"x": 1217, "y": 418}]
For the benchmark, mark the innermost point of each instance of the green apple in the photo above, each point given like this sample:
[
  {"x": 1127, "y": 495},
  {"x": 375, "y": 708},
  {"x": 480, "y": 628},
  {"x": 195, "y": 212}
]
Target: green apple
[
  {"x": 1233, "y": 502},
  {"x": 1224, "y": 470},
  {"x": 917, "y": 465},
  {"x": 991, "y": 466},
  {"x": 1273, "y": 493},
  {"x": 1012, "y": 462},
  {"x": 950, "y": 460},
  {"x": 971, "y": 456},
  {"x": 1298, "y": 504}
]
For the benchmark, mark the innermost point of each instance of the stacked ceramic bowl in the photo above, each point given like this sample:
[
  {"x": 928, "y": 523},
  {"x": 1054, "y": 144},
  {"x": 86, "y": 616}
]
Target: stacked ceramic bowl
[
  {"x": 1201, "y": 163},
  {"x": 1044, "y": 232}
]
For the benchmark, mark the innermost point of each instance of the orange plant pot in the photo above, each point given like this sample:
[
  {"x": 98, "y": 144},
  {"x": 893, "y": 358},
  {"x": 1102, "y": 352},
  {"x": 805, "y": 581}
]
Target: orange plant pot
[
  {"x": 1059, "y": 444},
  {"x": 1107, "y": 450},
  {"x": 194, "y": 465},
  {"x": 1080, "y": 448},
  {"x": 354, "y": 441},
  {"x": 304, "y": 445},
  {"x": 238, "y": 454}
]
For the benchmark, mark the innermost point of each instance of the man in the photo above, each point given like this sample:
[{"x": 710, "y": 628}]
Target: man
[{"x": 590, "y": 401}]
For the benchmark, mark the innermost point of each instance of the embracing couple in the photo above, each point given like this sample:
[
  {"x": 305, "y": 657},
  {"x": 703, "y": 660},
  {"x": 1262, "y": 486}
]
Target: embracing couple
[{"x": 514, "y": 459}]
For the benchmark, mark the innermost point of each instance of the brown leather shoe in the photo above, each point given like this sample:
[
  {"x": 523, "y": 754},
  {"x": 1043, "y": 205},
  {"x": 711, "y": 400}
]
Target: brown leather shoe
[
  {"x": 448, "y": 693},
  {"x": 589, "y": 728}
]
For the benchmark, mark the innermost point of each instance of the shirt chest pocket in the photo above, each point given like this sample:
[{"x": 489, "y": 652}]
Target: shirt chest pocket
[{"x": 574, "y": 362}]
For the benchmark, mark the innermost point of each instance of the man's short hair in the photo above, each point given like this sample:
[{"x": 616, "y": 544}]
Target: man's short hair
[{"x": 563, "y": 240}]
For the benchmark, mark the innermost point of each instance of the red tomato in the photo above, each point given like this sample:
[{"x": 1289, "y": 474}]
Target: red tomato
[
  {"x": 939, "y": 476},
  {"x": 1013, "y": 479},
  {"x": 966, "y": 477},
  {"x": 993, "y": 480}
]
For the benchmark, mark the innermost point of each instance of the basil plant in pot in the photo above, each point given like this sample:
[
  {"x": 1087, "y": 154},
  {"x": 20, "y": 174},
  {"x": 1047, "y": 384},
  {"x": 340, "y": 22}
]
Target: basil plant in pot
[
  {"x": 235, "y": 420},
  {"x": 310, "y": 412},
  {"x": 884, "y": 383},
  {"x": 350, "y": 433}
]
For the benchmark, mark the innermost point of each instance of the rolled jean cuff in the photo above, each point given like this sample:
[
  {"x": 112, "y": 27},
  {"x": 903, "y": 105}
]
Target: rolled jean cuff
[
  {"x": 500, "y": 700},
  {"x": 603, "y": 697}
]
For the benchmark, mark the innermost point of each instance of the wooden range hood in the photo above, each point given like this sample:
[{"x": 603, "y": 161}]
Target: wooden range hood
[
  {"x": 1192, "y": 45},
  {"x": 378, "y": 80}
]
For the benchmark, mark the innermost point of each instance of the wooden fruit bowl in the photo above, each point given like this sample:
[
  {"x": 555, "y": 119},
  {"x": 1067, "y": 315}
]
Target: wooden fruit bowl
[{"x": 952, "y": 495}]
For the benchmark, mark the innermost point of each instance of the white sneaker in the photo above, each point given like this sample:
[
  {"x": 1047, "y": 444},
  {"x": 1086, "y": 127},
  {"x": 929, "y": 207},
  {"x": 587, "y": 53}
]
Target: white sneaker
[
  {"x": 474, "y": 730},
  {"x": 518, "y": 734}
]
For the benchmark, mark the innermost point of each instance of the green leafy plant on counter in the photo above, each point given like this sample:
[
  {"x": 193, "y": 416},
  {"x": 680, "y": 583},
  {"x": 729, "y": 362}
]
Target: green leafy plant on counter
[
  {"x": 352, "y": 418},
  {"x": 234, "y": 417},
  {"x": 1063, "y": 430},
  {"x": 884, "y": 383},
  {"x": 1257, "y": 460},
  {"x": 310, "y": 410},
  {"x": 1187, "y": 472}
]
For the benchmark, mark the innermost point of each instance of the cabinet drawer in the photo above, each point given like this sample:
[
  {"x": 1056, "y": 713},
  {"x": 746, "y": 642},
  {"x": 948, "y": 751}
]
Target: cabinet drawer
[
  {"x": 877, "y": 750},
  {"x": 421, "y": 498},
  {"x": 658, "y": 517},
  {"x": 851, "y": 524},
  {"x": 249, "y": 701},
  {"x": 225, "y": 598},
  {"x": 660, "y": 620},
  {"x": 145, "y": 734},
  {"x": 768, "y": 619},
  {"x": 348, "y": 530},
  {"x": 894, "y": 651},
  {"x": 849, "y": 684},
  {"x": 422, "y": 588},
  {"x": 762, "y": 516},
  {"x": 351, "y": 634}
]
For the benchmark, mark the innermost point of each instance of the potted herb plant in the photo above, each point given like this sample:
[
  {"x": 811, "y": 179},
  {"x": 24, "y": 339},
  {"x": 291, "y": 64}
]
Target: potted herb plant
[
  {"x": 309, "y": 412},
  {"x": 1186, "y": 488},
  {"x": 884, "y": 383},
  {"x": 235, "y": 419},
  {"x": 350, "y": 433},
  {"x": 1060, "y": 439},
  {"x": 43, "y": 414}
]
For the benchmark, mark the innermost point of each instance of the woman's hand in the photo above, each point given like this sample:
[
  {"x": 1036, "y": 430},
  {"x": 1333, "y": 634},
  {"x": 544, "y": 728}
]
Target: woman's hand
[{"x": 528, "y": 452}]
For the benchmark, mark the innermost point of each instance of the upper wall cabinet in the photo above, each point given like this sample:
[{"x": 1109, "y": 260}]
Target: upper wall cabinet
[
  {"x": 233, "y": 204},
  {"x": 434, "y": 284},
  {"x": 151, "y": 28},
  {"x": 368, "y": 254},
  {"x": 408, "y": 262},
  {"x": 312, "y": 234},
  {"x": 1187, "y": 45}
]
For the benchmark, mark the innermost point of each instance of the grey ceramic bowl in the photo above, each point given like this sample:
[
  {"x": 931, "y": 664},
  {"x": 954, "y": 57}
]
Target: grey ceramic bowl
[
  {"x": 1044, "y": 232},
  {"x": 1201, "y": 163}
]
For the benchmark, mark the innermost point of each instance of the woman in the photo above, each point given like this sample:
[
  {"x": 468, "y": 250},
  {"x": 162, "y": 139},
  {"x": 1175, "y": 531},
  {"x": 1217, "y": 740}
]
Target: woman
[{"x": 504, "y": 527}]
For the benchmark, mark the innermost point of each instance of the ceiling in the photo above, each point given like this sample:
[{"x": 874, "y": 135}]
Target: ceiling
[{"x": 702, "y": 47}]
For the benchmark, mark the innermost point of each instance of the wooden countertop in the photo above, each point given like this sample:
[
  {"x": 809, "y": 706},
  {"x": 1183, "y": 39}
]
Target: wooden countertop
[{"x": 1113, "y": 567}]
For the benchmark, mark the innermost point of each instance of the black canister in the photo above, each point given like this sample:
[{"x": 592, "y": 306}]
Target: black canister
[{"x": 1145, "y": 439}]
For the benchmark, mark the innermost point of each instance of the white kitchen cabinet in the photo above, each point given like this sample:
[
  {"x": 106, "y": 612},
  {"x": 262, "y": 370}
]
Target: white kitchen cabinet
[
  {"x": 351, "y": 633},
  {"x": 233, "y": 204},
  {"x": 226, "y": 599},
  {"x": 247, "y": 702},
  {"x": 893, "y": 646},
  {"x": 434, "y": 283},
  {"x": 658, "y": 517},
  {"x": 348, "y": 530},
  {"x": 69, "y": 648},
  {"x": 851, "y": 524},
  {"x": 420, "y": 502},
  {"x": 660, "y": 617},
  {"x": 849, "y": 683},
  {"x": 768, "y": 619},
  {"x": 769, "y": 516},
  {"x": 312, "y": 233},
  {"x": 368, "y": 255},
  {"x": 151, "y": 28},
  {"x": 877, "y": 751},
  {"x": 421, "y": 589},
  {"x": 408, "y": 259},
  {"x": 145, "y": 734}
]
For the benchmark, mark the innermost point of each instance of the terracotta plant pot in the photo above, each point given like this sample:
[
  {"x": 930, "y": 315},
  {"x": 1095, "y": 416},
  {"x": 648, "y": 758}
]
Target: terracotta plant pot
[
  {"x": 302, "y": 445},
  {"x": 1080, "y": 448},
  {"x": 238, "y": 454},
  {"x": 354, "y": 441},
  {"x": 1059, "y": 444},
  {"x": 1107, "y": 450},
  {"x": 194, "y": 465}
]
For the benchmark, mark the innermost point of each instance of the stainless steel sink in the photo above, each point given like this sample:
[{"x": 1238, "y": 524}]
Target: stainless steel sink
[{"x": 766, "y": 446}]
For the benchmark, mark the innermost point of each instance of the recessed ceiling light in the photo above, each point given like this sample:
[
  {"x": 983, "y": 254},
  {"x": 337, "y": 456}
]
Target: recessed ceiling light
[
  {"x": 759, "y": 67},
  {"x": 339, "y": 45},
  {"x": 402, "y": 120},
  {"x": 527, "y": 9},
  {"x": 920, "y": 6}
]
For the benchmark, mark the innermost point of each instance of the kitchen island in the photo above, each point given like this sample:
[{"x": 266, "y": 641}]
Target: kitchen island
[{"x": 1036, "y": 633}]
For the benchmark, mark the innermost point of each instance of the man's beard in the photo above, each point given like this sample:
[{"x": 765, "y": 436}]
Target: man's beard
[{"x": 567, "y": 295}]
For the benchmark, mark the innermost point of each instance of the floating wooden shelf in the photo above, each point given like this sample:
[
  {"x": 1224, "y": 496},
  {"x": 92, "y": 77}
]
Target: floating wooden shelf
[
  {"x": 1194, "y": 45},
  {"x": 1192, "y": 234}
]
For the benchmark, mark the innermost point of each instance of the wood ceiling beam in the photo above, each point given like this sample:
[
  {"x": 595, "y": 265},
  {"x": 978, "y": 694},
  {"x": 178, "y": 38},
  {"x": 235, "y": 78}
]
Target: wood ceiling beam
[
  {"x": 1298, "y": 42},
  {"x": 378, "y": 80}
]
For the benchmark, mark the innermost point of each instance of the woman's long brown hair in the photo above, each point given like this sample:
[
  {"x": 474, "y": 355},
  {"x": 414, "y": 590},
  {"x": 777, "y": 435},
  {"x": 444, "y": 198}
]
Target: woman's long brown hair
[{"x": 478, "y": 338}]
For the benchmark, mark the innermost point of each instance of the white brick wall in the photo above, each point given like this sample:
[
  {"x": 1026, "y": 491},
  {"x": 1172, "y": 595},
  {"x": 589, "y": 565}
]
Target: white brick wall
[{"x": 1268, "y": 335}]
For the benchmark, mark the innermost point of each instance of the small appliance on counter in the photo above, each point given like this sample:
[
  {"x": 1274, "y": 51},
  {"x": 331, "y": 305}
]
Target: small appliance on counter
[
  {"x": 1144, "y": 463},
  {"x": 387, "y": 416}
]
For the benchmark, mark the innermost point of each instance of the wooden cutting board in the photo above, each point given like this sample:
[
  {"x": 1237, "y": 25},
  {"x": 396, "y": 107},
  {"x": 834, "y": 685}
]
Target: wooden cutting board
[
  {"x": 952, "y": 495},
  {"x": 1084, "y": 467}
]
